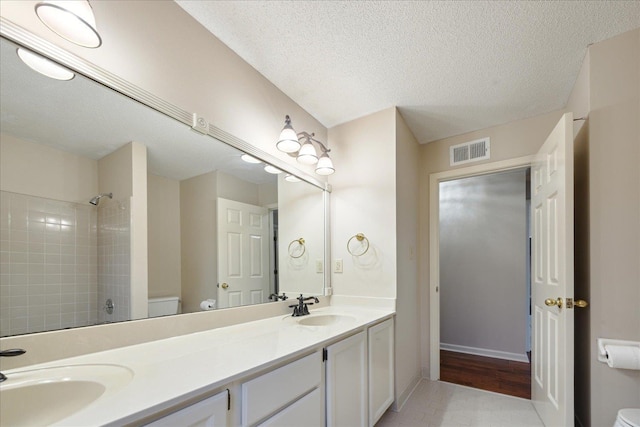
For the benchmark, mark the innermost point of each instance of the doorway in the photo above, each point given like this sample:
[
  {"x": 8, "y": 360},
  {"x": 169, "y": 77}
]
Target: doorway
[
  {"x": 434, "y": 257},
  {"x": 484, "y": 290}
]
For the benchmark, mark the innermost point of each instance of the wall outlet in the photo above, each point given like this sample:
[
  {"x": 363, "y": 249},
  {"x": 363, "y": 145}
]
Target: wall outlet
[
  {"x": 337, "y": 266},
  {"x": 319, "y": 266}
]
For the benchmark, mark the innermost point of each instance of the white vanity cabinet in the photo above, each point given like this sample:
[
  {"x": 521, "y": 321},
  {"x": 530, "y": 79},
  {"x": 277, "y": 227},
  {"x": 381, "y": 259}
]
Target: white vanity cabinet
[
  {"x": 347, "y": 382},
  {"x": 281, "y": 396},
  {"x": 360, "y": 377},
  {"x": 210, "y": 412},
  {"x": 381, "y": 373}
]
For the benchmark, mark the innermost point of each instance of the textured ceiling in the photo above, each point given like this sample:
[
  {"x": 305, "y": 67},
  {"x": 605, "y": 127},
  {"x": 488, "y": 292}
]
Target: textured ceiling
[{"x": 450, "y": 66}]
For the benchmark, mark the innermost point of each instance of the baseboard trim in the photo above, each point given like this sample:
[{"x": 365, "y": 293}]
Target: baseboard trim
[
  {"x": 485, "y": 352},
  {"x": 406, "y": 394},
  {"x": 426, "y": 373}
]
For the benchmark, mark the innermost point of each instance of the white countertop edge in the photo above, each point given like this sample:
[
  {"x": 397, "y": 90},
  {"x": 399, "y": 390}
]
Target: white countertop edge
[{"x": 164, "y": 369}]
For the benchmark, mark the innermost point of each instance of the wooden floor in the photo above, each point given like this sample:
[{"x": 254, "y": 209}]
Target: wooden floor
[{"x": 486, "y": 373}]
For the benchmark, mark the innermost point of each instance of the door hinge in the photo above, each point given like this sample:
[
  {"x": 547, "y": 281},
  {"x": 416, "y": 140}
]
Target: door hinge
[
  {"x": 325, "y": 354},
  {"x": 228, "y": 400}
]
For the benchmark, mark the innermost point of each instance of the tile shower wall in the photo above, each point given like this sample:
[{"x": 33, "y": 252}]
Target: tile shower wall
[
  {"x": 48, "y": 264},
  {"x": 114, "y": 259}
]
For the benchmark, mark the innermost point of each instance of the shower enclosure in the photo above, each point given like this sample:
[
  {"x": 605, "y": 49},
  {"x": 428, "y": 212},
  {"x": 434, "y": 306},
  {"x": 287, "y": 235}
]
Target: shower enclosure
[{"x": 61, "y": 261}]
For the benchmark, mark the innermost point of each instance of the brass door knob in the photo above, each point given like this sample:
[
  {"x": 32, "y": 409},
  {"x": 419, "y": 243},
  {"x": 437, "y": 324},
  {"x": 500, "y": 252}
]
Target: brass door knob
[
  {"x": 580, "y": 303},
  {"x": 551, "y": 302},
  {"x": 224, "y": 286}
]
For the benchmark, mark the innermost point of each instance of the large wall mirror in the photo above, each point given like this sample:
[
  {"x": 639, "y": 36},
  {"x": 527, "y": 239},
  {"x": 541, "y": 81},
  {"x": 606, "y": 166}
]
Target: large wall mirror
[{"x": 108, "y": 205}]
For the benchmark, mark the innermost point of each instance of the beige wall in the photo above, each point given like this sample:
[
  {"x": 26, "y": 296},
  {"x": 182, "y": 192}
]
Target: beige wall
[
  {"x": 482, "y": 225},
  {"x": 198, "y": 240},
  {"x": 300, "y": 215},
  {"x": 124, "y": 173},
  {"x": 364, "y": 201},
  {"x": 115, "y": 173},
  {"x": 164, "y": 236},
  {"x": 614, "y": 216},
  {"x": 232, "y": 188},
  {"x": 38, "y": 170},
  {"x": 407, "y": 291},
  {"x": 509, "y": 141}
]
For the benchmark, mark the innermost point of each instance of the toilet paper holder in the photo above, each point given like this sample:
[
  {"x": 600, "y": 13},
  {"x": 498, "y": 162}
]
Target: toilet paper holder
[{"x": 602, "y": 342}]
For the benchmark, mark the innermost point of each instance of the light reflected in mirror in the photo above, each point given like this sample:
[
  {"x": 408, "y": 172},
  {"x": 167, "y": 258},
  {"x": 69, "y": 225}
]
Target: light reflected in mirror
[{"x": 107, "y": 205}]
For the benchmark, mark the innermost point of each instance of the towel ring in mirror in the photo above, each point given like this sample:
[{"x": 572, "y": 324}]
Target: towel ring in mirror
[
  {"x": 300, "y": 243},
  {"x": 364, "y": 242}
]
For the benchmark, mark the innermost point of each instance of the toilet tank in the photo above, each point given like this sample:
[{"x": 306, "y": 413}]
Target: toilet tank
[{"x": 163, "y": 306}]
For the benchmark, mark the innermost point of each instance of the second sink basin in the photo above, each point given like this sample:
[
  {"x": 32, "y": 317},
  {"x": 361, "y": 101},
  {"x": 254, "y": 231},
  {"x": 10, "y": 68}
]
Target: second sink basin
[
  {"x": 45, "y": 396},
  {"x": 323, "y": 319}
]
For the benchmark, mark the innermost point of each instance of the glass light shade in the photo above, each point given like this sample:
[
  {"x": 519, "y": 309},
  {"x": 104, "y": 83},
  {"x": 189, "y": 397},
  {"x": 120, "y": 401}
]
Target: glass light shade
[
  {"x": 307, "y": 154},
  {"x": 44, "y": 66},
  {"x": 72, "y": 20},
  {"x": 272, "y": 169},
  {"x": 250, "y": 159},
  {"x": 291, "y": 178},
  {"x": 288, "y": 142},
  {"x": 325, "y": 165}
]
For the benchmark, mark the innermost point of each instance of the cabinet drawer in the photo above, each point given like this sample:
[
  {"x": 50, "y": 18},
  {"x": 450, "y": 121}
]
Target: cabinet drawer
[
  {"x": 211, "y": 412},
  {"x": 306, "y": 411},
  {"x": 267, "y": 394}
]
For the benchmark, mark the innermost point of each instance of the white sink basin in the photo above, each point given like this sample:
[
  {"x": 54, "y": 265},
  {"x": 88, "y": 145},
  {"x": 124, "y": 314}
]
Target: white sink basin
[
  {"x": 323, "y": 319},
  {"x": 45, "y": 396}
]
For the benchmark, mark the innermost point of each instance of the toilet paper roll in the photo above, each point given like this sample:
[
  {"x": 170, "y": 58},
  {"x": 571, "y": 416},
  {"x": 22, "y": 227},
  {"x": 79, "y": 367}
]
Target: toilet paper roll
[
  {"x": 208, "y": 304},
  {"x": 623, "y": 356}
]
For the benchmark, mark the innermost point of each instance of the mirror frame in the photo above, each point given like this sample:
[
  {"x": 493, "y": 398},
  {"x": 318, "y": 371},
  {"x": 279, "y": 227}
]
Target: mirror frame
[{"x": 20, "y": 36}]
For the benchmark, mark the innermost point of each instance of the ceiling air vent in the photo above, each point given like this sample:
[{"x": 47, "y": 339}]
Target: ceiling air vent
[{"x": 472, "y": 151}]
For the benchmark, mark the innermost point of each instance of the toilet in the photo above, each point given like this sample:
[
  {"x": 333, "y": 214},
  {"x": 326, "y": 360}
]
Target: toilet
[
  {"x": 163, "y": 306},
  {"x": 628, "y": 418}
]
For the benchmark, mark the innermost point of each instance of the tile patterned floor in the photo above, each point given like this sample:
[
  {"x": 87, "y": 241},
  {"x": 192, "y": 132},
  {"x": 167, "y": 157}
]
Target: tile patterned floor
[{"x": 440, "y": 404}]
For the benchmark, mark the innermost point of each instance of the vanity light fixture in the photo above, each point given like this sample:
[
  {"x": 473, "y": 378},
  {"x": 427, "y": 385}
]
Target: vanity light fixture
[
  {"x": 291, "y": 178},
  {"x": 250, "y": 159},
  {"x": 301, "y": 146},
  {"x": 288, "y": 141},
  {"x": 272, "y": 169},
  {"x": 72, "y": 20},
  {"x": 44, "y": 66}
]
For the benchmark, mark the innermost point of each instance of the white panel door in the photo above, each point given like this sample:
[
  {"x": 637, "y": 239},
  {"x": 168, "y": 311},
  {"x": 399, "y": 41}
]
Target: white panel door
[
  {"x": 243, "y": 253},
  {"x": 552, "y": 276}
]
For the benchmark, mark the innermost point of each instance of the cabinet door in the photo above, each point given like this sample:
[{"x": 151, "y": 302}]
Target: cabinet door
[
  {"x": 305, "y": 412},
  {"x": 381, "y": 373},
  {"x": 347, "y": 396},
  {"x": 211, "y": 412}
]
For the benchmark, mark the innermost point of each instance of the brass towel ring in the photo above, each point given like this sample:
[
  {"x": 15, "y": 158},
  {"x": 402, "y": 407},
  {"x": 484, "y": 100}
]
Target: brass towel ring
[
  {"x": 300, "y": 242},
  {"x": 360, "y": 238}
]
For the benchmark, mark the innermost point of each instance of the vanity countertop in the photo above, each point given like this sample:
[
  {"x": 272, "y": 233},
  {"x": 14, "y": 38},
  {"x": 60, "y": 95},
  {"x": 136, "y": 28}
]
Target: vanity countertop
[{"x": 171, "y": 371}]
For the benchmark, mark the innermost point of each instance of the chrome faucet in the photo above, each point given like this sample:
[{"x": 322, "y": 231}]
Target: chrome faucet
[
  {"x": 302, "y": 309},
  {"x": 276, "y": 297},
  {"x": 10, "y": 353}
]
